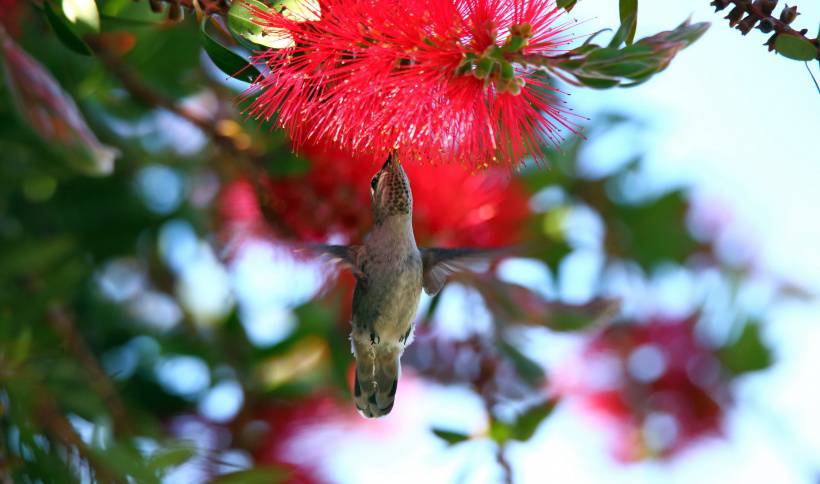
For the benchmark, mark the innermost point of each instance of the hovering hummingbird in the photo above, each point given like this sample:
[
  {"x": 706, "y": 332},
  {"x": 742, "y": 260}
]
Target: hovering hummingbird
[{"x": 391, "y": 272}]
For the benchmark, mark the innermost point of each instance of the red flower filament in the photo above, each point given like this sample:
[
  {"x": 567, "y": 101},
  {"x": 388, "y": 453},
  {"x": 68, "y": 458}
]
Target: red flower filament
[{"x": 439, "y": 81}]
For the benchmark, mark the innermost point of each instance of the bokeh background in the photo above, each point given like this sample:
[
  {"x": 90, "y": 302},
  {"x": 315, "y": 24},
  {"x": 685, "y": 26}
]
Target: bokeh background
[{"x": 154, "y": 324}]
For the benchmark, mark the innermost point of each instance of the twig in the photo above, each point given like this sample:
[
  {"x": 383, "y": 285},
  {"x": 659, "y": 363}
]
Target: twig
[
  {"x": 813, "y": 78},
  {"x": 506, "y": 468},
  {"x": 745, "y": 14},
  {"x": 201, "y": 7},
  {"x": 49, "y": 417},
  {"x": 64, "y": 326}
]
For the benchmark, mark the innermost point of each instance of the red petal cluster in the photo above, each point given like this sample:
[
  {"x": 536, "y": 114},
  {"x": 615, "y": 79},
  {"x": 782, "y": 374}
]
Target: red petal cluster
[
  {"x": 331, "y": 200},
  {"x": 379, "y": 75},
  {"x": 656, "y": 385}
]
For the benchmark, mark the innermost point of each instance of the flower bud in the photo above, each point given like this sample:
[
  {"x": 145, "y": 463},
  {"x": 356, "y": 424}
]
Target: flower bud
[
  {"x": 770, "y": 43},
  {"x": 747, "y": 24},
  {"x": 720, "y": 4},
  {"x": 735, "y": 15},
  {"x": 507, "y": 70},
  {"x": 483, "y": 68},
  {"x": 788, "y": 14},
  {"x": 766, "y": 6},
  {"x": 766, "y": 26},
  {"x": 521, "y": 30}
]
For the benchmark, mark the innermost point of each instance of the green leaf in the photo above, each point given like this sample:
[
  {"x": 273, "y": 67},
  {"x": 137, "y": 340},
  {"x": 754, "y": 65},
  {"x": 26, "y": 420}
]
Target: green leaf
[
  {"x": 527, "y": 423},
  {"x": 226, "y": 60},
  {"x": 597, "y": 82},
  {"x": 652, "y": 231},
  {"x": 795, "y": 47},
  {"x": 258, "y": 475},
  {"x": 628, "y": 10},
  {"x": 171, "y": 456},
  {"x": 566, "y": 4},
  {"x": 623, "y": 33},
  {"x": 83, "y": 14},
  {"x": 449, "y": 436},
  {"x": 529, "y": 370},
  {"x": 63, "y": 30},
  {"x": 747, "y": 353}
]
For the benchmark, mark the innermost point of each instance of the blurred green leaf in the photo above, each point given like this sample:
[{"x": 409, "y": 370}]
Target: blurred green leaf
[
  {"x": 258, "y": 475},
  {"x": 63, "y": 31},
  {"x": 527, "y": 422},
  {"x": 651, "y": 232},
  {"x": 32, "y": 257},
  {"x": 515, "y": 304},
  {"x": 500, "y": 432},
  {"x": 226, "y": 60},
  {"x": 449, "y": 436},
  {"x": 795, "y": 47},
  {"x": 530, "y": 371},
  {"x": 626, "y": 31},
  {"x": 628, "y": 11},
  {"x": 172, "y": 456},
  {"x": 22, "y": 347},
  {"x": 747, "y": 353}
]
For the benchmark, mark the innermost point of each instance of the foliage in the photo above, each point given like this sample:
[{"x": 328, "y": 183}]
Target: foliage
[{"x": 98, "y": 305}]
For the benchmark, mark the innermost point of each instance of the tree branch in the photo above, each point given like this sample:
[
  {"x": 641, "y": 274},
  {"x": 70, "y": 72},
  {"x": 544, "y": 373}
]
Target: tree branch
[
  {"x": 49, "y": 417},
  {"x": 745, "y": 15},
  {"x": 64, "y": 326}
]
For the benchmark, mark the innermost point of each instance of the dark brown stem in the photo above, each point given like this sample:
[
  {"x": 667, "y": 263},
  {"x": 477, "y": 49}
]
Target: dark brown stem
[
  {"x": 63, "y": 325},
  {"x": 506, "y": 468}
]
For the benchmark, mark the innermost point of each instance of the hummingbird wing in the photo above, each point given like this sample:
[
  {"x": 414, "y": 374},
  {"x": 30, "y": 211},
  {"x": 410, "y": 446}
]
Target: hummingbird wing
[
  {"x": 438, "y": 264},
  {"x": 346, "y": 255}
]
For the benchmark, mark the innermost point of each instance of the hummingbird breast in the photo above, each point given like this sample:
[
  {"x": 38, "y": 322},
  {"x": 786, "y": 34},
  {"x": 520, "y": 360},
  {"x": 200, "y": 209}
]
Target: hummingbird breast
[{"x": 384, "y": 304}]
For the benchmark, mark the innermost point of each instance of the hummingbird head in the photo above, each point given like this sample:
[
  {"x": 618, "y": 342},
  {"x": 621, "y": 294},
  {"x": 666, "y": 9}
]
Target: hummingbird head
[{"x": 390, "y": 193}]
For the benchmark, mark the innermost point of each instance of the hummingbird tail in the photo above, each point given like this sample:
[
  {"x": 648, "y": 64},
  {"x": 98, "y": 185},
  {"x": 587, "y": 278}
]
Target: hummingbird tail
[{"x": 374, "y": 388}]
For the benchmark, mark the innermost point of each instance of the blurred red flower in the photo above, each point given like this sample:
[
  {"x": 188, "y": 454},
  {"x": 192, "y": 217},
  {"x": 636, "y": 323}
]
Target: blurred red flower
[
  {"x": 655, "y": 384},
  {"x": 332, "y": 200},
  {"x": 437, "y": 80}
]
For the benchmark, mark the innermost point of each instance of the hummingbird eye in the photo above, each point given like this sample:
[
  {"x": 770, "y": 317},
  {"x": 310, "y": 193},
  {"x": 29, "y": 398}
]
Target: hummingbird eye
[{"x": 374, "y": 182}]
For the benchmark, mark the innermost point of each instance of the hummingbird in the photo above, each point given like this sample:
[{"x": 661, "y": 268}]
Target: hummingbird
[{"x": 391, "y": 271}]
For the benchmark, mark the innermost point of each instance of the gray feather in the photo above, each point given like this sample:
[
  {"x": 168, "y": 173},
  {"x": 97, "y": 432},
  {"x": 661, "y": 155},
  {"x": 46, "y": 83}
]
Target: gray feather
[{"x": 439, "y": 264}]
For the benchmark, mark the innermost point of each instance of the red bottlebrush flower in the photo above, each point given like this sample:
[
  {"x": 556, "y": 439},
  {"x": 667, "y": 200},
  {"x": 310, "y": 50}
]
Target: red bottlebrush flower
[
  {"x": 331, "y": 200},
  {"x": 657, "y": 387},
  {"x": 440, "y": 81}
]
